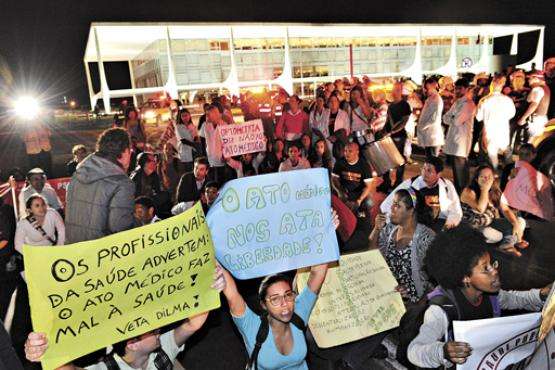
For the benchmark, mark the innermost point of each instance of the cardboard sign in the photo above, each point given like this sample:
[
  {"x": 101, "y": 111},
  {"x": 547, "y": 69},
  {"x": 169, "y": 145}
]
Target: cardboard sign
[
  {"x": 242, "y": 138},
  {"x": 88, "y": 295},
  {"x": 272, "y": 223},
  {"x": 530, "y": 191},
  {"x": 357, "y": 300}
]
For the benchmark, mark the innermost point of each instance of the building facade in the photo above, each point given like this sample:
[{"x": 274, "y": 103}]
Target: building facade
[{"x": 186, "y": 59}]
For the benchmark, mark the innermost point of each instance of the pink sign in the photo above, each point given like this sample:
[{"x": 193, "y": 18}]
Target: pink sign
[{"x": 530, "y": 191}]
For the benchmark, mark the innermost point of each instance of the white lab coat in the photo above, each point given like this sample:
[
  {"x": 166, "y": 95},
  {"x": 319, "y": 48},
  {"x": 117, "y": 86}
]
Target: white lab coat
[
  {"x": 449, "y": 202},
  {"x": 428, "y": 129},
  {"x": 460, "y": 119},
  {"x": 496, "y": 110}
]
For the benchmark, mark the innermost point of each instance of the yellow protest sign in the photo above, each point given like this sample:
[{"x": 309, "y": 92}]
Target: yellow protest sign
[
  {"x": 357, "y": 300},
  {"x": 88, "y": 295}
]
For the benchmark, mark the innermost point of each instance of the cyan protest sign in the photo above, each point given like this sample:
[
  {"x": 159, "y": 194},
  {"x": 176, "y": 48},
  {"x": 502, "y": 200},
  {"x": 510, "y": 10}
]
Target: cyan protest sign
[{"x": 271, "y": 223}]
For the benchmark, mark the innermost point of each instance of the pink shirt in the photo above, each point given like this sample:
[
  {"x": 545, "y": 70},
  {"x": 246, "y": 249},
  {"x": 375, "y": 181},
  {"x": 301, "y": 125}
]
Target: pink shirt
[{"x": 291, "y": 126}]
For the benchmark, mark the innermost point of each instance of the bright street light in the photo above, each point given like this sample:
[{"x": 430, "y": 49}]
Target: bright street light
[{"x": 26, "y": 107}]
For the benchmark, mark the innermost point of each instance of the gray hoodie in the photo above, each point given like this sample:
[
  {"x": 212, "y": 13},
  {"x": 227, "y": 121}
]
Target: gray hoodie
[{"x": 99, "y": 200}]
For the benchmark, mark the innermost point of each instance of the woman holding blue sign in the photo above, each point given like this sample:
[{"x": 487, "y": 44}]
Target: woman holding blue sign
[{"x": 276, "y": 339}]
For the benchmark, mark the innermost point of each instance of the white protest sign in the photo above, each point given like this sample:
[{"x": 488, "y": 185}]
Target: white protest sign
[
  {"x": 499, "y": 342},
  {"x": 242, "y": 138},
  {"x": 544, "y": 356}
]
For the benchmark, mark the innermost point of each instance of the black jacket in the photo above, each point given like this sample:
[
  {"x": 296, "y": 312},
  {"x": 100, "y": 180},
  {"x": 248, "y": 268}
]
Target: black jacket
[{"x": 187, "y": 190}]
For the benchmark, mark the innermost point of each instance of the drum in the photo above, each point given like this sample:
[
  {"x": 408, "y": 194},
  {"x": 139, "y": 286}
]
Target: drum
[
  {"x": 382, "y": 155},
  {"x": 363, "y": 137}
]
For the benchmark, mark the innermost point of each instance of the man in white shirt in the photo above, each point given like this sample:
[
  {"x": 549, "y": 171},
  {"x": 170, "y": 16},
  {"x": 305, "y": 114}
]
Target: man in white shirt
[
  {"x": 538, "y": 100},
  {"x": 36, "y": 179},
  {"x": 495, "y": 110},
  {"x": 428, "y": 129},
  {"x": 295, "y": 160},
  {"x": 441, "y": 202},
  {"x": 460, "y": 119},
  {"x": 214, "y": 149}
]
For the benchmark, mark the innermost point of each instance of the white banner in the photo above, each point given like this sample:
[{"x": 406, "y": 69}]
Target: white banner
[
  {"x": 544, "y": 356},
  {"x": 498, "y": 343}
]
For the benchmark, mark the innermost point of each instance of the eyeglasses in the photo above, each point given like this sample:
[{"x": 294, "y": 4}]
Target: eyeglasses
[
  {"x": 277, "y": 300},
  {"x": 491, "y": 268}
]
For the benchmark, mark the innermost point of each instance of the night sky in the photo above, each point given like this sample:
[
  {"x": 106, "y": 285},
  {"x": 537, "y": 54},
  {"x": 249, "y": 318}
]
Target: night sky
[{"x": 42, "y": 42}]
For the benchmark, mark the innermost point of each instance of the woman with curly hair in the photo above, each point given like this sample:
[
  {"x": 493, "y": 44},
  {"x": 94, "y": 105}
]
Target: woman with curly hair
[
  {"x": 459, "y": 261},
  {"x": 481, "y": 204}
]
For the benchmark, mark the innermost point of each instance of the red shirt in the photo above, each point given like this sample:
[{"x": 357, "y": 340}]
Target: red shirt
[{"x": 292, "y": 125}]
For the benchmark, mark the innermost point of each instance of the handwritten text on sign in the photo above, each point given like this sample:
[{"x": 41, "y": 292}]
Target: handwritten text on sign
[
  {"x": 88, "y": 295},
  {"x": 242, "y": 138},
  {"x": 530, "y": 191},
  {"x": 514, "y": 340},
  {"x": 357, "y": 300},
  {"x": 272, "y": 223}
]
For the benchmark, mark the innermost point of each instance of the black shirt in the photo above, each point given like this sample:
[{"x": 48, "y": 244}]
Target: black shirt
[
  {"x": 7, "y": 230},
  {"x": 352, "y": 176},
  {"x": 395, "y": 113},
  {"x": 470, "y": 312},
  {"x": 71, "y": 166}
]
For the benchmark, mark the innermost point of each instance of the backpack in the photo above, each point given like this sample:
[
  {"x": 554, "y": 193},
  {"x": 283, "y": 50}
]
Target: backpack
[
  {"x": 262, "y": 334},
  {"x": 412, "y": 320}
]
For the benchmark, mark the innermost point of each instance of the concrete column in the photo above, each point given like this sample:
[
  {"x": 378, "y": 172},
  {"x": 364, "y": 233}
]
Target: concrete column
[
  {"x": 171, "y": 83},
  {"x": 92, "y": 97},
  {"x": 286, "y": 78},
  {"x": 514, "y": 44},
  {"x": 452, "y": 63},
  {"x": 104, "y": 89},
  {"x": 415, "y": 71},
  {"x": 133, "y": 86},
  {"x": 232, "y": 80}
]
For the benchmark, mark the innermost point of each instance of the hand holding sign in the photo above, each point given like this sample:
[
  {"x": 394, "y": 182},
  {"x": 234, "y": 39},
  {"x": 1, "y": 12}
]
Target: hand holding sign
[
  {"x": 242, "y": 138},
  {"x": 357, "y": 300},
  {"x": 273, "y": 223},
  {"x": 99, "y": 292},
  {"x": 37, "y": 343}
]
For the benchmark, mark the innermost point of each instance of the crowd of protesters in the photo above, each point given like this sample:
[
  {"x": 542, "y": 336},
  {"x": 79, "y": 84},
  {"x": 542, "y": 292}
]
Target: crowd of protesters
[{"x": 435, "y": 234}]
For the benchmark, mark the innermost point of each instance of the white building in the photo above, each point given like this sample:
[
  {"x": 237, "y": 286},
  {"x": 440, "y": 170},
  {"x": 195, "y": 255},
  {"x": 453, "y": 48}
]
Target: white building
[{"x": 185, "y": 58}]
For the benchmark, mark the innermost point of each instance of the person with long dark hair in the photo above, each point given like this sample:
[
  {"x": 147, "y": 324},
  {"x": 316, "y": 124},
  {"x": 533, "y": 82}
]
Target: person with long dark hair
[
  {"x": 284, "y": 314},
  {"x": 187, "y": 139},
  {"x": 403, "y": 241},
  {"x": 275, "y": 154},
  {"x": 321, "y": 156},
  {"x": 44, "y": 227},
  {"x": 481, "y": 204}
]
